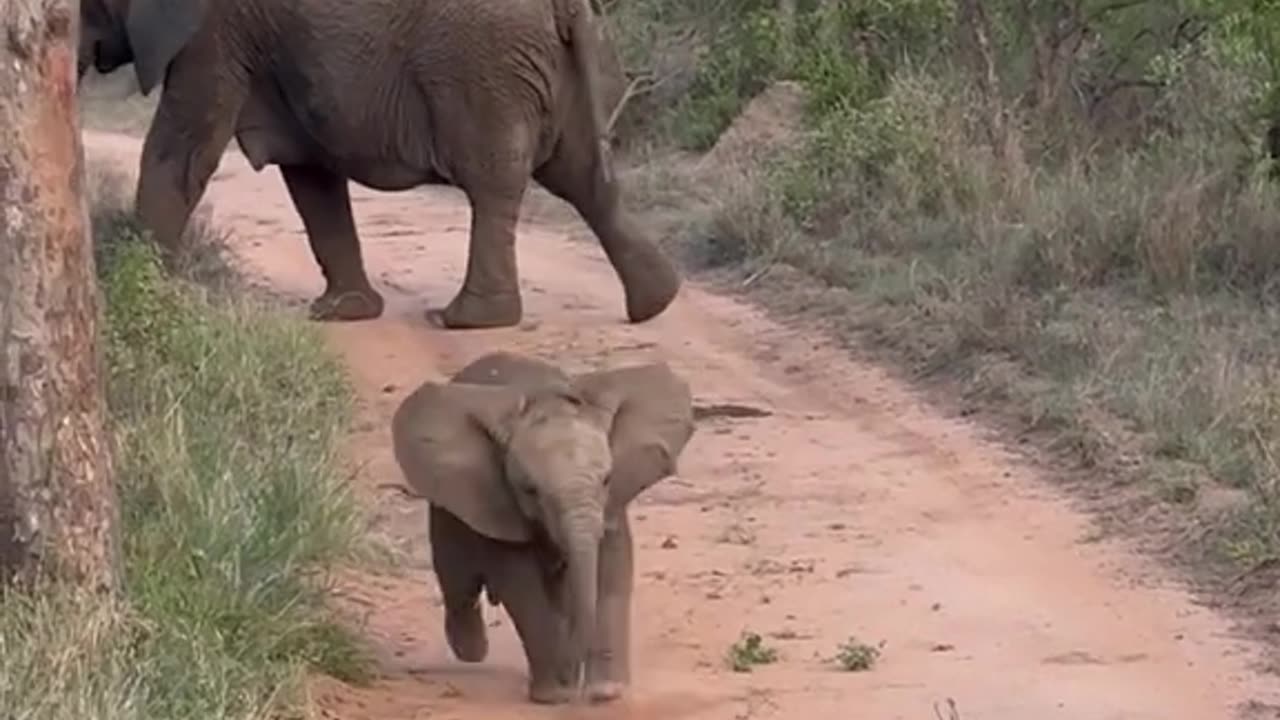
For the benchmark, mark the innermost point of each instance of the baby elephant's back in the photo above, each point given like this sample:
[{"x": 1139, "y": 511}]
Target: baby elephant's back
[{"x": 504, "y": 368}]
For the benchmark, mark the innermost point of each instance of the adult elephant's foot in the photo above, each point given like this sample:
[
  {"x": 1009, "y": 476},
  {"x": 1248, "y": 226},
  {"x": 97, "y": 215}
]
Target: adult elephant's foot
[
  {"x": 650, "y": 281},
  {"x": 550, "y": 693},
  {"x": 469, "y": 310},
  {"x": 465, "y": 632},
  {"x": 347, "y": 305}
]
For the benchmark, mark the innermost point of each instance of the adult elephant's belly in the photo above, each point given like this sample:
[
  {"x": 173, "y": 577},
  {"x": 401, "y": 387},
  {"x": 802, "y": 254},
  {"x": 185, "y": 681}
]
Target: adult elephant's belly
[
  {"x": 262, "y": 147},
  {"x": 267, "y": 136},
  {"x": 388, "y": 175}
]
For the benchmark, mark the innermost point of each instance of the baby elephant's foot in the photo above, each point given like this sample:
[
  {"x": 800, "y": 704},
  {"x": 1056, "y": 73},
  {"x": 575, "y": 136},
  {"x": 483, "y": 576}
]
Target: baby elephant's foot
[
  {"x": 606, "y": 677},
  {"x": 466, "y": 634},
  {"x": 603, "y": 691},
  {"x": 347, "y": 305},
  {"x": 469, "y": 310}
]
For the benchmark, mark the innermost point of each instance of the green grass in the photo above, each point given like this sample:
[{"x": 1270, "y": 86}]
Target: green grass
[
  {"x": 227, "y": 416},
  {"x": 750, "y": 651},
  {"x": 855, "y": 656}
]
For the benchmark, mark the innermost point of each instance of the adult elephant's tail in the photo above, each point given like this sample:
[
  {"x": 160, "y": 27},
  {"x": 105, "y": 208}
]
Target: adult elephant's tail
[{"x": 583, "y": 41}]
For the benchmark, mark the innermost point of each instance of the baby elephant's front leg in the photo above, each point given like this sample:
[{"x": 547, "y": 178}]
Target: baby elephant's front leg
[
  {"x": 542, "y": 629},
  {"x": 609, "y": 666},
  {"x": 454, "y": 547}
]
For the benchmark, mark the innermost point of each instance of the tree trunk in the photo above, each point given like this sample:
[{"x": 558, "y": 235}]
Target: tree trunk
[
  {"x": 976, "y": 25},
  {"x": 57, "y": 493},
  {"x": 786, "y": 32},
  {"x": 1273, "y": 144}
]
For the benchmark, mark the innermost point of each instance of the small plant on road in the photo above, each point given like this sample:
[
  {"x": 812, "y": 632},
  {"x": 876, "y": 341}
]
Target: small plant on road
[
  {"x": 856, "y": 656},
  {"x": 750, "y": 651}
]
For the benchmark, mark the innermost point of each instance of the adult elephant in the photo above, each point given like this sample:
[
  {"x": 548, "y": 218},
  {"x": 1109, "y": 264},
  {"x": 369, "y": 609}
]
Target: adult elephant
[{"x": 393, "y": 94}]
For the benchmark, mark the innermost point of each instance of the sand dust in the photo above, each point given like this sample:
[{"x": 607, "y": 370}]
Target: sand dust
[{"x": 847, "y": 508}]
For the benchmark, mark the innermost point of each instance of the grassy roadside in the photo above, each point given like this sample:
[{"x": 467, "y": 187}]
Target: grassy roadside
[
  {"x": 227, "y": 417},
  {"x": 1110, "y": 301}
]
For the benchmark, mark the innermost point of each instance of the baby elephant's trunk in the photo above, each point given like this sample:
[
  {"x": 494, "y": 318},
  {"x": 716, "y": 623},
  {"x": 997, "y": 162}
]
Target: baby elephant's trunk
[{"x": 583, "y": 557}]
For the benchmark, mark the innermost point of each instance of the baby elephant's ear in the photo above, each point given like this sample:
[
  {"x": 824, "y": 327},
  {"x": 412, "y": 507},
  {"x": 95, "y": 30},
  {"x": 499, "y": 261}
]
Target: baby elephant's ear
[
  {"x": 448, "y": 440},
  {"x": 651, "y": 412}
]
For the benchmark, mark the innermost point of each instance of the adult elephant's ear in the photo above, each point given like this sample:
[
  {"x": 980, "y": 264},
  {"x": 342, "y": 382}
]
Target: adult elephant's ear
[
  {"x": 652, "y": 420},
  {"x": 158, "y": 30},
  {"x": 448, "y": 440}
]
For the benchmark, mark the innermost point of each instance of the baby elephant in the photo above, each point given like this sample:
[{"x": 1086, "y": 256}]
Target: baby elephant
[{"x": 528, "y": 472}]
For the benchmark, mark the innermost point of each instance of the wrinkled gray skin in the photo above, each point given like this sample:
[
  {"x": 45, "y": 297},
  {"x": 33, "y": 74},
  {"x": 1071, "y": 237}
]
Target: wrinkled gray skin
[
  {"x": 478, "y": 94},
  {"x": 529, "y": 472}
]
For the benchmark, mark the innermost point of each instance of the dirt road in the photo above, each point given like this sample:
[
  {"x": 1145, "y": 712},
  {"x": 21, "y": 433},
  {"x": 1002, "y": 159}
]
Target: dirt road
[{"x": 850, "y": 508}]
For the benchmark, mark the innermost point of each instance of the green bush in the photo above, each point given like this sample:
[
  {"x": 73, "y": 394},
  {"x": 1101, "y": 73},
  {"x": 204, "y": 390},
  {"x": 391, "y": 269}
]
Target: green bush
[
  {"x": 741, "y": 61},
  {"x": 840, "y": 51}
]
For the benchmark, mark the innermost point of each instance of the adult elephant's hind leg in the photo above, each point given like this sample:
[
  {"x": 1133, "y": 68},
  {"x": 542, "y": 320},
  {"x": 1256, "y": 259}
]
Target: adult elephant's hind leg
[
  {"x": 490, "y": 293},
  {"x": 324, "y": 203},
  {"x": 649, "y": 278}
]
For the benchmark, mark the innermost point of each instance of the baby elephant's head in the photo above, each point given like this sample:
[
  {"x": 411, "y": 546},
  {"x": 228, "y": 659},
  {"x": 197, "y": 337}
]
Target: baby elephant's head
[
  {"x": 557, "y": 464},
  {"x": 554, "y": 458}
]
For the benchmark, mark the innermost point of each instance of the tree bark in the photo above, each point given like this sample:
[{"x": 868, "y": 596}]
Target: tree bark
[{"x": 57, "y": 493}]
